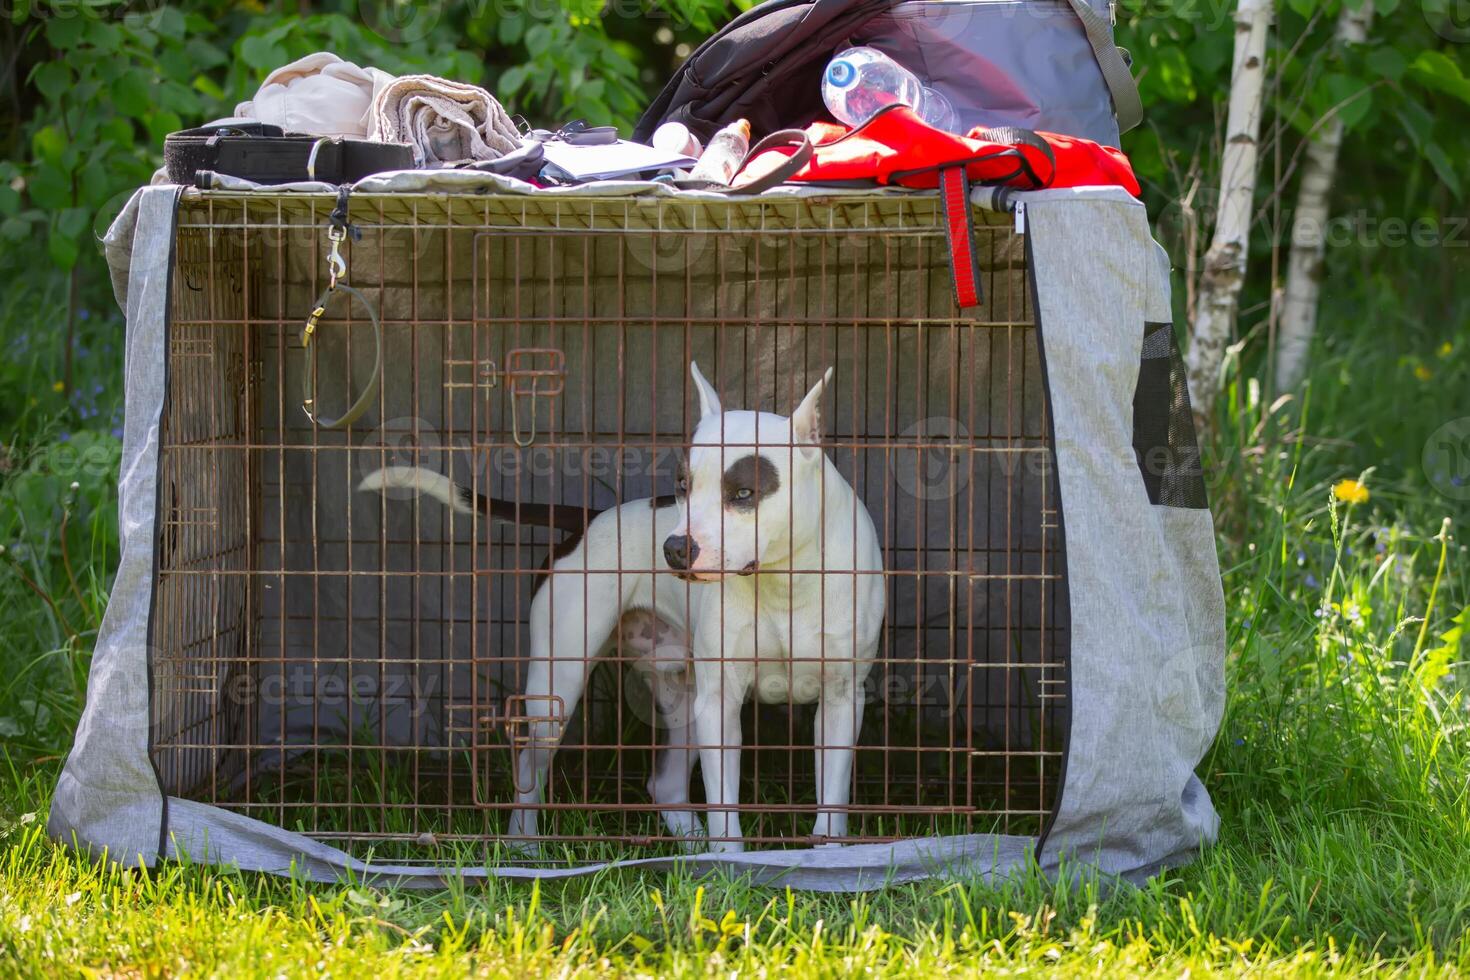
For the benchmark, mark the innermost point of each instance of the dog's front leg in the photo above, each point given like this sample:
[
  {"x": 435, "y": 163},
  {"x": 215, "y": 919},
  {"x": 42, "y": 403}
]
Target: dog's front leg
[
  {"x": 839, "y": 720},
  {"x": 719, "y": 692}
]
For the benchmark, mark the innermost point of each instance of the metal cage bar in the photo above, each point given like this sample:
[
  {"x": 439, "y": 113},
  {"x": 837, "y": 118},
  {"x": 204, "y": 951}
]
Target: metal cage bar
[{"x": 354, "y": 665}]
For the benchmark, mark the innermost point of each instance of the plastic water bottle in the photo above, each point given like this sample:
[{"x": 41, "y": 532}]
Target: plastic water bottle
[
  {"x": 860, "y": 81},
  {"x": 722, "y": 158}
]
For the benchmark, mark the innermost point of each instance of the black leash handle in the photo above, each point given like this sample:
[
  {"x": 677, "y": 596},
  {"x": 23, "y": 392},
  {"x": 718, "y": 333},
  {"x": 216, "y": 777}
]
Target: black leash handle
[{"x": 781, "y": 137}]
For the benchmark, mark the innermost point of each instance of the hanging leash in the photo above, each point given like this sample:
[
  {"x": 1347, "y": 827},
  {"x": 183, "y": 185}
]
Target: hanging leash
[{"x": 338, "y": 230}]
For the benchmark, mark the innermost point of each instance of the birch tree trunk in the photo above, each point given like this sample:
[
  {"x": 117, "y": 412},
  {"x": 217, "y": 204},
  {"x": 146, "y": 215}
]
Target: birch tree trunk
[
  {"x": 1225, "y": 261},
  {"x": 1309, "y": 224}
]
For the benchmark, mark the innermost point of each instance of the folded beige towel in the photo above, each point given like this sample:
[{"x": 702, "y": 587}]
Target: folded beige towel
[{"x": 444, "y": 120}]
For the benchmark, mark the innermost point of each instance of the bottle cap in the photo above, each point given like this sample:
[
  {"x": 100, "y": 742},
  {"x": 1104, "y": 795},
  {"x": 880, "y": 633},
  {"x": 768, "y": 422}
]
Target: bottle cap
[
  {"x": 675, "y": 137},
  {"x": 841, "y": 73}
]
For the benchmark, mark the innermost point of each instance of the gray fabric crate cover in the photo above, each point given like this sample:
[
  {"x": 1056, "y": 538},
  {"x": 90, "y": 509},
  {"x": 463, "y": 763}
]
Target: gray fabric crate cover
[{"x": 1146, "y": 612}]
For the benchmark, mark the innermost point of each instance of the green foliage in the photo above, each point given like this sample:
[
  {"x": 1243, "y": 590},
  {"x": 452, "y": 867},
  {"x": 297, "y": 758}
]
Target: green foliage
[
  {"x": 1402, "y": 95},
  {"x": 107, "y": 90},
  {"x": 58, "y": 513}
]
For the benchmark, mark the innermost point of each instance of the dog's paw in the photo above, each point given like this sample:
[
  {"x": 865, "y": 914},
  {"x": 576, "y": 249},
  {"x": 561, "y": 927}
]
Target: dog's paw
[
  {"x": 520, "y": 848},
  {"x": 691, "y": 841},
  {"x": 683, "y": 824},
  {"x": 520, "y": 834}
]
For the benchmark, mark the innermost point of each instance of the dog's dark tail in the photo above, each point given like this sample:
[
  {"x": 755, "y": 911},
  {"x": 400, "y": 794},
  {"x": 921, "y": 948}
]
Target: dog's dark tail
[{"x": 461, "y": 498}]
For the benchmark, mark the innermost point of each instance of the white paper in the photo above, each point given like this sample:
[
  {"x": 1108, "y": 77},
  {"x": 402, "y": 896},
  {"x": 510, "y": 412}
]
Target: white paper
[{"x": 599, "y": 162}]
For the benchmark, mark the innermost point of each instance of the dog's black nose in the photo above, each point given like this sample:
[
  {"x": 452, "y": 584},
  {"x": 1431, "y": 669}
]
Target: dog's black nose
[{"x": 680, "y": 552}]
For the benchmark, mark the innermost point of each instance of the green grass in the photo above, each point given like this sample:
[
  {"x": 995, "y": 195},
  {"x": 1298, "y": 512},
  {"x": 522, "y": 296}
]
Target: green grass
[{"x": 1340, "y": 771}]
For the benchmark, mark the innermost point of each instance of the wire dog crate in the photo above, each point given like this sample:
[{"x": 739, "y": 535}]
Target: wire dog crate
[{"x": 352, "y": 665}]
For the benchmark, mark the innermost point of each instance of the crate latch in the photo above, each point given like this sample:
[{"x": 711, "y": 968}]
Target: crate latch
[
  {"x": 531, "y": 374},
  {"x": 523, "y": 713}
]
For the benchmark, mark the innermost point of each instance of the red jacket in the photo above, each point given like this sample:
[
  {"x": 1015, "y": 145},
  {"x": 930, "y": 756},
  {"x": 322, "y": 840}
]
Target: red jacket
[{"x": 897, "y": 147}]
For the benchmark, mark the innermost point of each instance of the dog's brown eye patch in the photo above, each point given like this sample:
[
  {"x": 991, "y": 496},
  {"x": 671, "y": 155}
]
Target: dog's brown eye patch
[
  {"x": 748, "y": 481},
  {"x": 681, "y": 480}
]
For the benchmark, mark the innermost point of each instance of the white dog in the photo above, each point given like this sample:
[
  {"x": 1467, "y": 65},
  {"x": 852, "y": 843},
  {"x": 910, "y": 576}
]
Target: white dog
[{"x": 763, "y": 578}]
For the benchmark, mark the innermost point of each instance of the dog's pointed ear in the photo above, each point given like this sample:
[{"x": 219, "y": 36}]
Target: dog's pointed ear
[
  {"x": 806, "y": 421},
  {"x": 709, "y": 400}
]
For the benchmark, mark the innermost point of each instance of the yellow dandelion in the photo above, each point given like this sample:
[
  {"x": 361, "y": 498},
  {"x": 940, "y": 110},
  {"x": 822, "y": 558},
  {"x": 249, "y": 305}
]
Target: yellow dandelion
[
  {"x": 1351, "y": 492},
  {"x": 58, "y": 386},
  {"x": 1446, "y": 349},
  {"x": 1422, "y": 372}
]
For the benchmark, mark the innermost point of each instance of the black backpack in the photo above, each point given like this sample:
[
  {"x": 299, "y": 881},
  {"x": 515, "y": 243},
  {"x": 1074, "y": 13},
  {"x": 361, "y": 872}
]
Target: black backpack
[
  {"x": 764, "y": 66},
  {"x": 999, "y": 64}
]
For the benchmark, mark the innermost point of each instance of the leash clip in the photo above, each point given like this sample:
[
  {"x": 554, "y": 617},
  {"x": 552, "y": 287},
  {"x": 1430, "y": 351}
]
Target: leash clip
[
  {"x": 336, "y": 264},
  {"x": 338, "y": 228}
]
